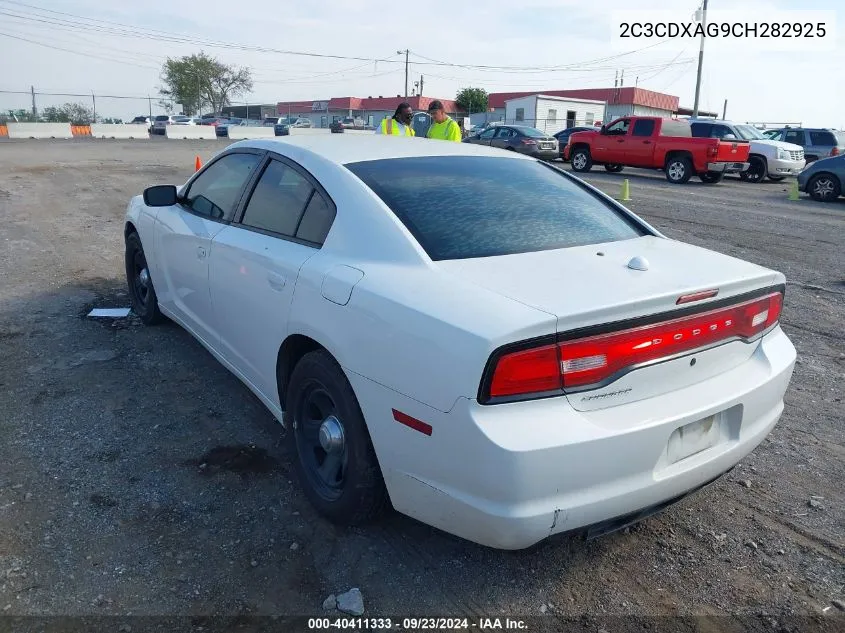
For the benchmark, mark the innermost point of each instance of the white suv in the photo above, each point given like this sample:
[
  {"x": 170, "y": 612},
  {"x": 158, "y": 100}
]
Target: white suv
[
  {"x": 163, "y": 120},
  {"x": 774, "y": 159}
]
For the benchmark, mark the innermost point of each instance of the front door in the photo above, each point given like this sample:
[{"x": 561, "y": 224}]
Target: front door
[
  {"x": 503, "y": 137},
  {"x": 608, "y": 147},
  {"x": 255, "y": 263},
  {"x": 184, "y": 239}
]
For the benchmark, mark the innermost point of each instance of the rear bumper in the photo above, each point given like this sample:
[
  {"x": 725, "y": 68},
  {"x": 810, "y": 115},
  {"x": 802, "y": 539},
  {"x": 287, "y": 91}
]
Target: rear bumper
[
  {"x": 508, "y": 476},
  {"x": 544, "y": 154},
  {"x": 728, "y": 168}
]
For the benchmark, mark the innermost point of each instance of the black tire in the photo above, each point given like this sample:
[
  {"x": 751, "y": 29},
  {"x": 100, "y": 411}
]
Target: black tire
[
  {"x": 824, "y": 187},
  {"x": 776, "y": 178},
  {"x": 678, "y": 170},
  {"x": 142, "y": 293},
  {"x": 711, "y": 177},
  {"x": 351, "y": 491},
  {"x": 580, "y": 160},
  {"x": 614, "y": 168},
  {"x": 757, "y": 170}
]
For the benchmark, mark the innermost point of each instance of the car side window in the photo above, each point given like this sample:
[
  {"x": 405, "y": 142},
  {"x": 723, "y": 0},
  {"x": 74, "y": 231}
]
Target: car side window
[
  {"x": 488, "y": 134},
  {"x": 504, "y": 133},
  {"x": 316, "y": 221},
  {"x": 794, "y": 136},
  {"x": 721, "y": 131},
  {"x": 278, "y": 200},
  {"x": 822, "y": 137},
  {"x": 215, "y": 192},
  {"x": 701, "y": 130},
  {"x": 643, "y": 127},
  {"x": 620, "y": 128}
]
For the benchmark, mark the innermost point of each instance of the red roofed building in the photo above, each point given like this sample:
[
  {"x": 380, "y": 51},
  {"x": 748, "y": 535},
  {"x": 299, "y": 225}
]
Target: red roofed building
[
  {"x": 371, "y": 109},
  {"x": 619, "y": 101}
]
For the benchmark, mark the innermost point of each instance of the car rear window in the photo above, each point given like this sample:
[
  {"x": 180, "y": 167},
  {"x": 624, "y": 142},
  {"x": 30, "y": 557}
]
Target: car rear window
[
  {"x": 822, "y": 138},
  {"x": 532, "y": 132},
  {"x": 460, "y": 207},
  {"x": 162, "y": 117}
]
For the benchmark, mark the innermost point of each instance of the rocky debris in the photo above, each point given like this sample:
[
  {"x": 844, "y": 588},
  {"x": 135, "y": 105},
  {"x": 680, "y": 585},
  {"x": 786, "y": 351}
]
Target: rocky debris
[
  {"x": 746, "y": 483},
  {"x": 839, "y": 605},
  {"x": 351, "y": 602},
  {"x": 294, "y": 547},
  {"x": 330, "y": 603},
  {"x": 815, "y": 503},
  {"x": 751, "y": 544},
  {"x": 543, "y": 609}
]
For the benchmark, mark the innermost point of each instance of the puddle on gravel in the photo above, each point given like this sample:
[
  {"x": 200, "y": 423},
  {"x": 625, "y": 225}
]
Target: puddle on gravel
[{"x": 240, "y": 458}]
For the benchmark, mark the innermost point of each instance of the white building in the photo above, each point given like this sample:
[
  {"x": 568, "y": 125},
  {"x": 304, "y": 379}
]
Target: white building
[{"x": 552, "y": 114}]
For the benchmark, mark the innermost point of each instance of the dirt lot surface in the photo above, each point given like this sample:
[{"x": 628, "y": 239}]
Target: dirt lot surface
[{"x": 139, "y": 477}]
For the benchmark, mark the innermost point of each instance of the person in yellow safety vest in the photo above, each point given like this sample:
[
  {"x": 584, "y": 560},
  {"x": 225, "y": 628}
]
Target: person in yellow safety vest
[
  {"x": 400, "y": 123},
  {"x": 444, "y": 127}
]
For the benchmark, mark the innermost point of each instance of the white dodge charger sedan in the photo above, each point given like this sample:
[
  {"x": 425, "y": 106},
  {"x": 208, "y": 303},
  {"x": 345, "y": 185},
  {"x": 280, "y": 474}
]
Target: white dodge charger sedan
[{"x": 475, "y": 337}]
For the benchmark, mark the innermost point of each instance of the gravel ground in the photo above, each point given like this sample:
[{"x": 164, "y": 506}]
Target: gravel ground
[{"x": 138, "y": 477}]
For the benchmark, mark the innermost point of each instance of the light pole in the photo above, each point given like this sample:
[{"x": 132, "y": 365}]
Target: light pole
[
  {"x": 700, "y": 59},
  {"x": 407, "y": 52}
]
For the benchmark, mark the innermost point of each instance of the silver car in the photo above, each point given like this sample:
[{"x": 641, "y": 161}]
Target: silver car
[{"x": 817, "y": 142}]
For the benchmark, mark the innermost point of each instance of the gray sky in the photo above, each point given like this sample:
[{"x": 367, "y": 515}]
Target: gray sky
[{"x": 775, "y": 86}]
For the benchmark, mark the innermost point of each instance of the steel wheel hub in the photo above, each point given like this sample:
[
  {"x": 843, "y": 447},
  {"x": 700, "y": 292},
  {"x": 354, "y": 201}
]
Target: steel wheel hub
[
  {"x": 144, "y": 278},
  {"x": 331, "y": 435}
]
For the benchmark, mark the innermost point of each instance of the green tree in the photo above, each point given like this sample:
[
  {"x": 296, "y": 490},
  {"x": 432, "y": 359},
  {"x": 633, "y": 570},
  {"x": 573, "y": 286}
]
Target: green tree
[
  {"x": 199, "y": 81},
  {"x": 472, "y": 99},
  {"x": 19, "y": 116},
  {"x": 74, "y": 113}
]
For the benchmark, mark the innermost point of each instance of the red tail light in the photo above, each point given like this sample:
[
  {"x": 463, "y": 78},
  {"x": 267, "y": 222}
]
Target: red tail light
[
  {"x": 712, "y": 151},
  {"x": 834, "y": 151},
  {"x": 528, "y": 141},
  {"x": 590, "y": 361}
]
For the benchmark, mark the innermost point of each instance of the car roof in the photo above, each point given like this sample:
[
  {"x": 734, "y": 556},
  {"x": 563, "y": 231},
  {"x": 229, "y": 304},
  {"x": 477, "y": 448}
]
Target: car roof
[{"x": 353, "y": 148}]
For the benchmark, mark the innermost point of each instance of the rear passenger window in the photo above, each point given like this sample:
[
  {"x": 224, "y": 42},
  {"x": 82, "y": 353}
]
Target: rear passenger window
[
  {"x": 822, "y": 138},
  {"x": 278, "y": 200},
  {"x": 701, "y": 130},
  {"x": 643, "y": 127},
  {"x": 794, "y": 136},
  {"x": 317, "y": 220}
]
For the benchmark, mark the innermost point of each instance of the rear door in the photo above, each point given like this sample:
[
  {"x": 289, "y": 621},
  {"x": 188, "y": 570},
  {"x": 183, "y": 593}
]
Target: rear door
[
  {"x": 639, "y": 144},
  {"x": 184, "y": 238},
  {"x": 821, "y": 144},
  {"x": 503, "y": 137},
  {"x": 255, "y": 263}
]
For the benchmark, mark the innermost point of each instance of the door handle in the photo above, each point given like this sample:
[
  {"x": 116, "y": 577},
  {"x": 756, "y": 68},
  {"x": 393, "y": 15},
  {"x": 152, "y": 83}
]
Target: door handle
[
  {"x": 646, "y": 142},
  {"x": 620, "y": 140},
  {"x": 277, "y": 282},
  {"x": 201, "y": 252}
]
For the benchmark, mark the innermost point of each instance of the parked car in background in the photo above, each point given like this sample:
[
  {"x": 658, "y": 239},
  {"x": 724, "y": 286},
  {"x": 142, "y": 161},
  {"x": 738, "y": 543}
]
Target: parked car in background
[
  {"x": 301, "y": 122},
  {"x": 657, "y": 143},
  {"x": 563, "y": 138},
  {"x": 222, "y": 127},
  {"x": 270, "y": 121},
  {"x": 353, "y": 122},
  {"x": 336, "y": 127},
  {"x": 163, "y": 120},
  {"x": 143, "y": 120},
  {"x": 564, "y": 391},
  {"x": 518, "y": 138},
  {"x": 817, "y": 142},
  {"x": 767, "y": 158},
  {"x": 282, "y": 127},
  {"x": 823, "y": 179}
]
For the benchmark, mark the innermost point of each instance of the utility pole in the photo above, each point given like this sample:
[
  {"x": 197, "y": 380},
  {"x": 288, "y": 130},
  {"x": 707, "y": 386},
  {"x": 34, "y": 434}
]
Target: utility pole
[
  {"x": 94, "y": 101},
  {"x": 34, "y": 109},
  {"x": 407, "y": 52},
  {"x": 700, "y": 60},
  {"x": 150, "y": 99},
  {"x": 725, "y": 110},
  {"x": 421, "y": 85}
]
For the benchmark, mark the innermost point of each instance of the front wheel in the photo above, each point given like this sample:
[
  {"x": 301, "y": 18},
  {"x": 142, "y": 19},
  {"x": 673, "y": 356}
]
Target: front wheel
[
  {"x": 581, "y": 160},
  {"x": 711, "y": 177},
  {"x": 614, "y": 167},
  {"x": 142, "y": 294},
  {"x": 824, "y": 188},
  {"x": 678, "y": 170},
  {"x": 335, "y": 458}
]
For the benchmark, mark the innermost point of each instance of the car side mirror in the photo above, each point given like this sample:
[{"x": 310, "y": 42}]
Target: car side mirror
[{"x": 160, "y": 196}]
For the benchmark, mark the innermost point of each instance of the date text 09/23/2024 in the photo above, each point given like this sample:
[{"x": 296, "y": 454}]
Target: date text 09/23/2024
[{"x": 417, "y": 624}]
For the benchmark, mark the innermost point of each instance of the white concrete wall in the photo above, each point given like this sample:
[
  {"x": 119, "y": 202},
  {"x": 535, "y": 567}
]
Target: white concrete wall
[
  {"x": 126, "y": 131},
  {"x": 39, "y": 130},
  {"x": 191, "y": 132},
  {"x": 240, "y": 132},
  {"x": 585, "y": 114}
]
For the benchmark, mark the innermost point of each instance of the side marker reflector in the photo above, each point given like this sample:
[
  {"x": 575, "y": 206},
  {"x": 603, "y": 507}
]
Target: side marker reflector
[{"x": 413, "y": 423}]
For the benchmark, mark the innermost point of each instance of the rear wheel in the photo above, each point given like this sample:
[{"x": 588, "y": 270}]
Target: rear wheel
[
  {"x": 756, "y": 171},
  {"x": 614, "y": 167},
  {"x": 581, "y": 160},
  {"x": 824, "y": 188},
  {"x": 711, "y": 177},
  {"x": 678, "y": 170},
  {"x": 142, "y": 294},
  {"x": 335, "y": 459}
]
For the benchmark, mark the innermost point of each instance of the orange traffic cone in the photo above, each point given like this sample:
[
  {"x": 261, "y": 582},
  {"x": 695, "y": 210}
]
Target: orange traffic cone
[{"x": 197, "y": 164}]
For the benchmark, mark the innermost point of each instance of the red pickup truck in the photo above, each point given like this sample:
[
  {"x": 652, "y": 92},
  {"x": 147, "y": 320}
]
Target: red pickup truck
[{"x": 657, "y": 143}]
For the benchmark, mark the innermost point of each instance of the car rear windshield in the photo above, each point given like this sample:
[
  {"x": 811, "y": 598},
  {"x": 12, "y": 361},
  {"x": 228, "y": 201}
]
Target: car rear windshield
[
  {"x": 460, "y": 207},
  {"x": 162, "y": 117},
  {"x": 532, "y": 132}
]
